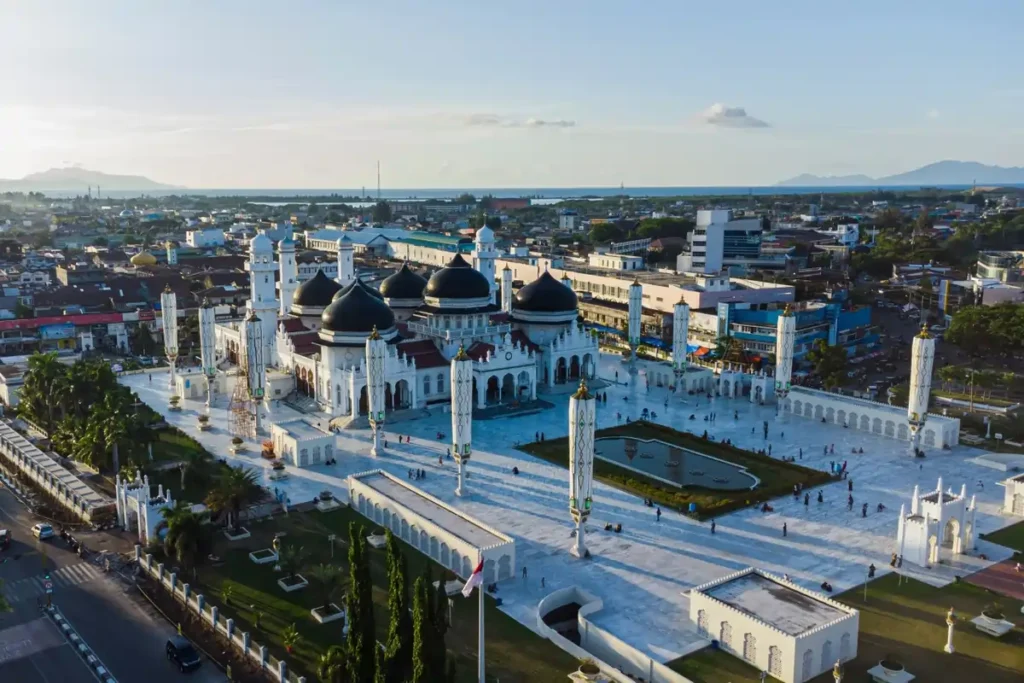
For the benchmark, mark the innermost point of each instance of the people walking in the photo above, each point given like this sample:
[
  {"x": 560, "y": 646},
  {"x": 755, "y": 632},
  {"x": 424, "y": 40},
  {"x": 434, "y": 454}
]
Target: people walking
[
  {"x": 657, "y": 514},
  {"x": 784, "y": 530},
  {"x": 712, "y": 527}
]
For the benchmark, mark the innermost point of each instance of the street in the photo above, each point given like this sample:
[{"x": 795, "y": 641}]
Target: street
[{"x": 125, "y": 632}]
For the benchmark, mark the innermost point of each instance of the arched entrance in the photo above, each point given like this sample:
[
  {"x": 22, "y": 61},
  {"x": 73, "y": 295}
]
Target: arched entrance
[
  {"x": 560, "y": 371},
  {"x": 508, "y": 388},
  {"x": 493, "y": 391},
  {"x": 403, "y": 397},
  {"x": 364, "y": 401},
  {"x": 524, "y": 386},
  {"x": 388, "y": 397},
  {"x": 588, "y": 366},
  {"x": 574, "y": 368}
]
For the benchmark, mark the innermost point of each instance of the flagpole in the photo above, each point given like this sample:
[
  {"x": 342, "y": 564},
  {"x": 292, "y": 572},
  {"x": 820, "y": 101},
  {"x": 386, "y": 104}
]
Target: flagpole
[{"x": 480, "y": 635}]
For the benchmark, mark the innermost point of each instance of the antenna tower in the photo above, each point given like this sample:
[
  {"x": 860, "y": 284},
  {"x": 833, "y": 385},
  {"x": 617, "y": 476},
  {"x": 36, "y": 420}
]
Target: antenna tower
[{"x": 378, "y": 181}]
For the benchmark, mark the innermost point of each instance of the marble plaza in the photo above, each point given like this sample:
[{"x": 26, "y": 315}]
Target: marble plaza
[{"x": 642, "y": 574}]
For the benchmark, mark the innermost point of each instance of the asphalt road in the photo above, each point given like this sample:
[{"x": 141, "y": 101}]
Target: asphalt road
[{"x": 124, "y": 632}]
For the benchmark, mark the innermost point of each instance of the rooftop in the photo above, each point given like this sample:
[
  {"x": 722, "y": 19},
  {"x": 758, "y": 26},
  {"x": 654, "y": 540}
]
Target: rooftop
[
  {"x": 790, "y": 610},
  {"x": 301, "y": 430}
]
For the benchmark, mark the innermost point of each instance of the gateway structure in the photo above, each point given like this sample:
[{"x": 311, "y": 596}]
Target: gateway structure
[
  {"x": 316, "y": 334},
  {"x": 938, "y": 520},
  {"x": 775, "y": 625}
]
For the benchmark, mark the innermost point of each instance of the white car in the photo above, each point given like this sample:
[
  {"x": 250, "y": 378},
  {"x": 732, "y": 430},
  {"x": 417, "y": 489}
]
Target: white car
[{"x": 42, "y": 531}]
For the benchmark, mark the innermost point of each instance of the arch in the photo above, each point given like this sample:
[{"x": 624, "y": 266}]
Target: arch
[
  {"x": 446, "y": 556},
  {"x": 504, "y": 567},
  {"x": 830, "y": 415},
  {"x": 865, "y": 423},
  {"x": 749, "y": 647},
  {"x": 523, "y": 390},
  {"x": 798, "y": 407},
  {"x": 414, "y": 536},
  {"x": 775, "y": 661},
  {"x": 467, "y": 568},
  {"x": 440, "y": 382},
  {"x": 819, "y": 412},
  {"x": 826, "y": 655},
  {"x": 404, "y": 531},
  {"x": 493, "y": 390},
  {"x": 844, "y": 647},
  {"x": 364, "y": 401},
  {"x": 929, "y": 437},
  {"x": 574, "y": 368},
  {"x": 588, "y": 365},
  {"x": 702, "y": 623},
  {"x": 488, "y": 571},
  {"x": 807, "y": 670},
  {"x": 456, "y": 561},
  {"x": 809, "y": 409},
  {"x": 726, "y": 388},
  {"x": 361, "y": 504},
  {"x": 424, "y": 545},
  {"x": 876, "y": 426},
  {"x": 561, "y": 370},
  {"x": 426, "y": 385},
  {"x": 725, "y": 635},
  {"x": 434, "y": 547},
  {"x": 903, "y": 431},
  {"x": 403, "y": 395},
  {"x": 950, "y": 533},
  {"x": 890, "y": 428},
  {"x": 758, "y": 393},
  {"x": 508, "y": 388},
  {"x": 387, "y": 518},
  {"x": 841, "y": 417},
  {"x": 376, "y": 513}
]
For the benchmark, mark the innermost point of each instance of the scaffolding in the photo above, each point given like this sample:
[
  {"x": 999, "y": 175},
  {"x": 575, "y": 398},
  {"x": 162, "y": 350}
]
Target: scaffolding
[{"x": 242, "y": 409}]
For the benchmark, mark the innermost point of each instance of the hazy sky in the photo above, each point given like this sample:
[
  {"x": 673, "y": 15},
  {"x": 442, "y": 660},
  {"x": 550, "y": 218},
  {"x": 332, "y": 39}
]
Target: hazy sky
[{"x": 460, "y": 93}]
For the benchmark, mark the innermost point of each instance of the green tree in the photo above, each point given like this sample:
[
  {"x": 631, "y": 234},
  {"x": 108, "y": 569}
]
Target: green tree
[
  {"x": 188, "y": 537},
  {"x": 493, "y": 222},
  {"x": 290, "y": 637},
  {"x": 332, "y": 666},
  {"x": 424, "y": 656},
  {"x": 292, "y": 558},
  {"x": 397, "y": 662},
  {"x": 236, "y": 488},
  {"x": 381, "y": 212},
  {"x": 361, "y": 640},
  {"x": 465, "y": 198},
  {"x": 605, "y": 232},
  {"x": 23, "y": 311},
  {"x": 45, "y": 379},
  {"x": 829, "y": 363},
  {"x": 141, "y": 341},
  {"x": 328, "y": 579},
  {"x": 194, "y": 466}
]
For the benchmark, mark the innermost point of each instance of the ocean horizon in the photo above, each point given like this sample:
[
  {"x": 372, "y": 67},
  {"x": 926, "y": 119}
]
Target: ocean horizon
[{"x": 541, "y": 195}]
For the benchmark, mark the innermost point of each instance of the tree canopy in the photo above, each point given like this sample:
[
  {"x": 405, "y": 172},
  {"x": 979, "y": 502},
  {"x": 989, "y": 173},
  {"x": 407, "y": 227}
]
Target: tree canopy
[
  {"x": 829, "y": 363},
  {"x": 982, "y": 330},
  {"x": 382, "y": 212}
]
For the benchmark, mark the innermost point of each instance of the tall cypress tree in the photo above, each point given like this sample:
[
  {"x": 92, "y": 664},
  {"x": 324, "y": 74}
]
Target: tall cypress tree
[
  {"x": 361, "y": 641},
  {"x": 398, "y": 658},
  {"x": 441, "y": 609},
  {"x": 422, "y": 657}
]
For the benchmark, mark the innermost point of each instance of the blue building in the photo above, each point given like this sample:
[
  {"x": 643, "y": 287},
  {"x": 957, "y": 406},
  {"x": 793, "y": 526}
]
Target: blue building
[{"x": 756, "y": 328}]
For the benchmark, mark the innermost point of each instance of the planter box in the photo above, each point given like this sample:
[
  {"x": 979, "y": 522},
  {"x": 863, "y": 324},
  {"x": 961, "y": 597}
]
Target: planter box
[
  {"x": 174, "y": 408},
  {"x": 299, "y": 584},
  {"x": 205, "y": 426},
  {"x": 236, "y": 449},
  {"x": 317, "y": 613},
  {"x": 377, "y": 541},
  {"x": 264, "y": 556},
  {"x": 242, "y": 534},
  {"x": 327, "y": 505}
]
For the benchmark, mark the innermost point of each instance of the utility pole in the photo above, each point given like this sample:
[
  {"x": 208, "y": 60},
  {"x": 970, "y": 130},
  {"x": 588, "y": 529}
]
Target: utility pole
[{"x": 378, "y": 180}]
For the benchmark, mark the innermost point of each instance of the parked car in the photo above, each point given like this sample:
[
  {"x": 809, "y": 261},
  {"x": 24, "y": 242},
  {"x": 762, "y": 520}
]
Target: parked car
[
  {"x": 42, "y": 531},
  {"x": 5, "y": 539},
  {"x": 183, "y": 654}
]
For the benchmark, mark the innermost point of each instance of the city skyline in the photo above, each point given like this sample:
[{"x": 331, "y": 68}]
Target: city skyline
[{"x": 582, "y": 94}]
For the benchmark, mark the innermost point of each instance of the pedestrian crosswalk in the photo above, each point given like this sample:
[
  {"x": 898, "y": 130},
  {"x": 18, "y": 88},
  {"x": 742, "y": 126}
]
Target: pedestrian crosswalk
[{"x": 65, "y": 577}]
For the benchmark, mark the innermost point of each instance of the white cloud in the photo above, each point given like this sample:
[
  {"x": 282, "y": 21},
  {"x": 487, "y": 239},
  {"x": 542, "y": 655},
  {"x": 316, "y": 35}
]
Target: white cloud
[
  {"x": 493, "y": 120},
  {"x": 719, "y": 114},
  {"x": 933, "y": 113}
]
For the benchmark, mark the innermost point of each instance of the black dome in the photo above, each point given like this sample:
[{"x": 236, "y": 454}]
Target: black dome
[
  {"x": 316, "y": 292},
  {"x": 357, "y": 311},
  {"x": 545, "y": 295},
  {"x": 357, "y": 283},
  {"x": 458, "y": 280},
  {"x": 403, "y": 284}
]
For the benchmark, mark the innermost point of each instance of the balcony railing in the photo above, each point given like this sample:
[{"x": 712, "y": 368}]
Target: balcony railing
[{"x": 456, "y": 334}]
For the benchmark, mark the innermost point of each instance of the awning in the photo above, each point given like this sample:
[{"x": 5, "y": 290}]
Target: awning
[
  {"x": 702, "y": 351},
  {"x": 604, "y": 328}
]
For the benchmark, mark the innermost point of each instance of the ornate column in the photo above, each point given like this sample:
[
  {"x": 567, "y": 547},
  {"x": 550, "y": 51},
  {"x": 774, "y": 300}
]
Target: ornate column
[
  {"x": 950, "y": 623},
  {"x": 922, "y": 357},
  {"x": 582, "y": 422},
  {"x": 375, "y": 350},
  {"x": 255, "y": 364},
  {"x": 207, "y": 348},
  {"x": 169, "y": 318},
  {"x": 506, "y": 289},
  {"x": 785, "y": 342},
  {"x": 680, "y": 333},
  {"x": 636, "y": 302},
  {"x": 462, "y": 414}
]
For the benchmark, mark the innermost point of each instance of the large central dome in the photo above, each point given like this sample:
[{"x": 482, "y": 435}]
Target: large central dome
[
  {"x": 458, "y": 280},
  {"x": 545, "y": 295},
  {"x": 357, "y": 311},
  {"x": 403, "y": 284}
]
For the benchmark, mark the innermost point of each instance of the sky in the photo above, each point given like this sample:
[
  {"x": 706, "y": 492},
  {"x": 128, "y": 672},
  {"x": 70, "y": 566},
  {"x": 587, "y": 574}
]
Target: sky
[{"x": 460, "y": 93}]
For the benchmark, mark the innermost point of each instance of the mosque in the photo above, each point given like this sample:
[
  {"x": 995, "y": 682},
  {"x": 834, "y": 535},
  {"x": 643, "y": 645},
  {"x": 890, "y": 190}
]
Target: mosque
[{"x": 312, "y": 336}]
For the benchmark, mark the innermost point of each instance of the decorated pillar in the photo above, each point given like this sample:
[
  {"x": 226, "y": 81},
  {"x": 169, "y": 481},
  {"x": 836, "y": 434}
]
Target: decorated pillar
[
  {"x": 950, "y": 623},
  {"x": 636, "y": 303},
  {"x": 346, "y": 262},
  {"x": 922, "y": 357},
  {"x": 582, "y": 422},
  {"x": 680, "y": 334},
  {"x": 207, "y": 347},
  {"x": 375, "y": 350},
  {"x": 462, "y": 414},
  {"x": 169, "y": 318},
  {"x": 289, "y": 274},
  {"x": 785, "y": 343},
  {"x": 506, "y": 289},
  {"x": 255, "y": 364}
]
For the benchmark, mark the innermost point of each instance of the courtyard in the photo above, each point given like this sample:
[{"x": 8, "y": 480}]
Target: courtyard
[{"x": 643, "y": 572}]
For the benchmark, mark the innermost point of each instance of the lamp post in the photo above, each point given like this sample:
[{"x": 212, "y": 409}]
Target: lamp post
[{"x": 950, "y": 623}]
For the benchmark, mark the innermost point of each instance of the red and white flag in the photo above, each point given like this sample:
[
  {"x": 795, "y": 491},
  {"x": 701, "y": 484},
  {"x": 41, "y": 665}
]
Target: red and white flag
[{"x": 475, "y": 579}]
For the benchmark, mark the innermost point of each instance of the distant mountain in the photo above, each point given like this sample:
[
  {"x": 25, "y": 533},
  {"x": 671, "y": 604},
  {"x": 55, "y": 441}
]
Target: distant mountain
[
  {"x": 76, "y": 179},
  {"x": 939, "y": 173}
]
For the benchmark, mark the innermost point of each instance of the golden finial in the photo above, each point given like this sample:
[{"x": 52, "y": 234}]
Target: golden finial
[
  {"x": 924, "y": 332},
  {"x": 787, "y": 311},
  {"x": 167, "y": 288},
  {"x": 582, "y": 394},
  {"x": 462, "y": 355},
  {"x": 374, "y": 334}
]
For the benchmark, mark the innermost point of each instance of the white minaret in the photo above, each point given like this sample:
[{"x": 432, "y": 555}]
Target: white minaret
[
  {"x": 462, "y": 414},
  {"x": 262, "y": 291},
  {"x": 207, "y": 347},
  {"x": 289, "y": 279},
  {"x": 506, "y": 289},
  {"x": 172, "y": 253},
  {"x": 169, "y": 318},
  {"x": 485, "y": 255},
  {"x": 346, "y": 261},
  {"x": 785, "y": 343},
  {"x": 680, "y": 334},
  {"x": 636, "y": 306},
  {"x": 582, "y": 422},
  {"x": 255, "y": 363},
  {"x": 376, "y": 348},
  {"x": 922, "y": 357}
]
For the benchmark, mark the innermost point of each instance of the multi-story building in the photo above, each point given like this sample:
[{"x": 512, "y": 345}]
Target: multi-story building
[
  {"x": 79, "y": 274},
  {"x": 756, "y": 327},
  {"x": 619, "y": 262},
  {"x": 1004, "y": 266},
  {"x": 569, "y": 220},
  {"x": 719, "y": 240},
  {"x": 205, "y": 238}
]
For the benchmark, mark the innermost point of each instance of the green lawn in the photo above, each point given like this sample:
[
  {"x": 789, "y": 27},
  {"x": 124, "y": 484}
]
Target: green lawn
[
  {"x": 1012, "y": 537},
  {"x": 777, "y": 477},
  {"x": 907, "y": 623},
  {"x": 514, "y": 653}
]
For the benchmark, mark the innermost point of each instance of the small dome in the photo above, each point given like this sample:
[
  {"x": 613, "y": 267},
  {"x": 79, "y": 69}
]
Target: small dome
[
  {"x": 143, "y": 258},
  {"x": 261, "y": 244},
  {"x": 358, "y": 311},
  {"x": 458, "y": 280},
  {"x": 545, "y": 295},
  {"x": 404, "y": 284},
  {"x": 484, "y": 235},
  {"x": 357, "y": 283},
  {"x": 316, "y": 292}
]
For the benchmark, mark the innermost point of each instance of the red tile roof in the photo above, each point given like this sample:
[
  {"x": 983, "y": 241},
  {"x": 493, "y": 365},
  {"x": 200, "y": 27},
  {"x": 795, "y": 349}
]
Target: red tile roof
[
  {"x": 520, "y": 338},
  {"x": 292, "y": 325},
  {"x": 424, "y": 353},
  {"x": 34, "y": 323},
  {"x": 479, "y": 350},
  {"x": 304, "y": 343}
]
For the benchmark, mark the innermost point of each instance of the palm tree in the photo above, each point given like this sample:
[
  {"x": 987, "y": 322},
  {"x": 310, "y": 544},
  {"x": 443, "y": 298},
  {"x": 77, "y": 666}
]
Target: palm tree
[
  {"x": 188, "y": 538},
  {"x": 40, "y": 394},
  {"x": 329, "y": 579},
  {"x": 291, "y": 558},
  {"x": 331, "y": 666},
  {"x": 234, "y": 490},
  {"x": 194, "y": 465}
]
